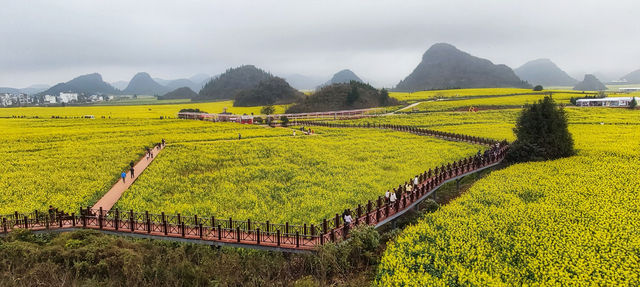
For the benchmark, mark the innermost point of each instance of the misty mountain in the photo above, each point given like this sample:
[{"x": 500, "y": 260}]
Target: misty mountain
[
  {"x": 179, "y": 93},
  {"x": 200, "y": 78},
  {"x": 234, "y": 80},
  {"x": 302, "y": 82},
  {"x": 633, "y": 77},
  {"x": 88, "y": 84},
  {"x": 344, "y": 76},
  {"x": 544, "y": 72},
  {"x": 590, "y": 83},
  {"x": 343, "y": 96},
  {"x": 174, "y": 84},
  {"x": 120, "y": 85},
  {"x": 30, "y": 90},
  {"x": 443, "y": 66},
  {"x": 143, "y": 84},
  {"x": 272, "y": 91}
]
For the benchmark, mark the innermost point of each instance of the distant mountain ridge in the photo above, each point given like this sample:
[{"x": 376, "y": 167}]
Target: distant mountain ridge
[
  {"x": 179, "y": 93},
  {"x": 143, "y": 84},
  {"x": 633, "y": 77},
  {"x": 590, "y": 83},
  {"x": 443, "y": 66},
  {"x": 88, "y": 84},
  {"x": 544, "y": 72},
  {"x": 343, "y": 76}
]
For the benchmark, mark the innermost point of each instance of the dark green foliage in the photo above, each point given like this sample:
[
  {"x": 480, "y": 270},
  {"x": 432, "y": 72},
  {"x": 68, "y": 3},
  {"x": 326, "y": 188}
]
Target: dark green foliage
[
  {"x": 284, "y": 121},
  {"x": 272, "y": 91},
  {"x": 542, "y": 133},
  {"x": 227, "y": 85},
  {"x": 267, "y": 110},
  {"x": 192, "y": 111},
  {"x": 538, "y": 88},
  {"x": 354, "y": 95},
  {"x": 634, "y": 103},
  {"x": 179, "y": 93},
  {"x": 89, "y": 258}
]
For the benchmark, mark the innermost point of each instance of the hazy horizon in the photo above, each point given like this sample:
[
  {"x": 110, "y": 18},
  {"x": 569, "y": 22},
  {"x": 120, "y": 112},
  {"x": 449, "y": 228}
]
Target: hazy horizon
[{"x": 47, "y": 42}]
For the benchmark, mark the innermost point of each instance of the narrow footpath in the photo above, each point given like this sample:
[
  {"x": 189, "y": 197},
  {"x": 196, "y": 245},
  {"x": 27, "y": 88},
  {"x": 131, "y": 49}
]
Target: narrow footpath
[{"x": 113, "y": 195}]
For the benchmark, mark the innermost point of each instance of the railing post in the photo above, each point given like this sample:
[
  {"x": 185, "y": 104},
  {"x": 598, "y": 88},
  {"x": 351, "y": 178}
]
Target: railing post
[
  {"x": 213, "y": 221},
  {"x": 200, "y": 225},
  {"x": 4, "y": 225},
  {"x": 324, "y": 226},
  {"x": 336, "y": 221},
  {"x": 297, "y": 239},
  {"x": 164, "y": 223},
  {"x": 278, "y": 237},
  {"x": 313, "y": 230},
  {"x": 182, "y": 227},
  {"x": 83, "y": 217},
  {"x": 238, "y": 233},
  {"x": 116, "y": 223},
  {"x": 100, "y": 218},
  {"x": 304, "y": 230},
  {"x": 73, "y": 219},
  {"x": 46, "y": 222},
  {"x": 60, "y": 220},
  {"x": 258, "y": 235},
  {"x": 249, "y": 226},
  {"x": 132, "y": 225},
  {"x": 146, "y": 214},
  {"x": 230, "y": 223},
  {"x": 286, "y": 228},
  {"x": 359, "y": 211},
  {"x": 219, "y": 232},
  {"x": 36, "y": 212},
  {"x": 26, "y": 222},
  {"x": 268, "y": 228}
]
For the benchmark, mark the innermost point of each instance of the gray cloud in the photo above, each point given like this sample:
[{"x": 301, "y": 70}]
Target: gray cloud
[{"x": 382, "y": 41}]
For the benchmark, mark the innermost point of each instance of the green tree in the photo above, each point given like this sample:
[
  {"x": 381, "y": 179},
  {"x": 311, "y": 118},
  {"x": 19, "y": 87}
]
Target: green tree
[
  {"x": 633, "y": 104},
  {"x": 538, "y": 88},
  {"x": 353, "y": 95},
  {"x": 268, "y": 110},
  {"x": 542, "y": 133}
]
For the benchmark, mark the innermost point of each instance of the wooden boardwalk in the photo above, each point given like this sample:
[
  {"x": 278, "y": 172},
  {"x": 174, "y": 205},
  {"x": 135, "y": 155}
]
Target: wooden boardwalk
[
  {"x": 113, "y": 195},
  {"x": 246, "y": 233}
]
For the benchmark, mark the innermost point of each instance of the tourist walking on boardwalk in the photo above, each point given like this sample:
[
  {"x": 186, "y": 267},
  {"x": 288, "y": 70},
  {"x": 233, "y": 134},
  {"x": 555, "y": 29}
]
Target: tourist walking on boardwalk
[
  {"x": 132, "y": 172},
  {"x": 415, "y": 181},
  {"x": 163, "y": 142},
  {"x": 386, "y": 196},
  {"x": 124, "y": 176},
  {"x": 148, "y": 152},
  {"x": 393, "y": 197}
]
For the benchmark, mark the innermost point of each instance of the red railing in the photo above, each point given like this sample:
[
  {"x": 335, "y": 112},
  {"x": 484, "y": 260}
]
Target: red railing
[{"x": 267, "y": 234}]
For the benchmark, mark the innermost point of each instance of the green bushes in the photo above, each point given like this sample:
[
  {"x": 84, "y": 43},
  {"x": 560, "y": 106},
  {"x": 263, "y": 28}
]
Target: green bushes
[{"x": 542, "y": 133}]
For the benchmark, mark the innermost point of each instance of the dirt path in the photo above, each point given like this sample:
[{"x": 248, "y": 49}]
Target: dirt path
[{"x": 113, "y": 195}]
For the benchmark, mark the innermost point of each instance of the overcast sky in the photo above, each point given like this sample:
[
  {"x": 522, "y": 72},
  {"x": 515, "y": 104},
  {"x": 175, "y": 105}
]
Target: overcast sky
[{"x": 381, "y": 41}]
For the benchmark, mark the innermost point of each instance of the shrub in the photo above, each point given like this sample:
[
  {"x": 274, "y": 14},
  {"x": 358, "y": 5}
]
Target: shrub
[
  {"x": 633, "y": 104},
  {"x": 284, "y": 120},
  {"x": 542, "y": 133},
  {"x": 268, "y": 110},
  {"x": 538, "y": 88}
]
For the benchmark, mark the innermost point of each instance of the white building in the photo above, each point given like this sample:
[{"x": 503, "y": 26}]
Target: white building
[
  {"x": 49, "y": 99},
  {"x": 68, "y": 97},
  {"x": 606, "y": 102}
]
